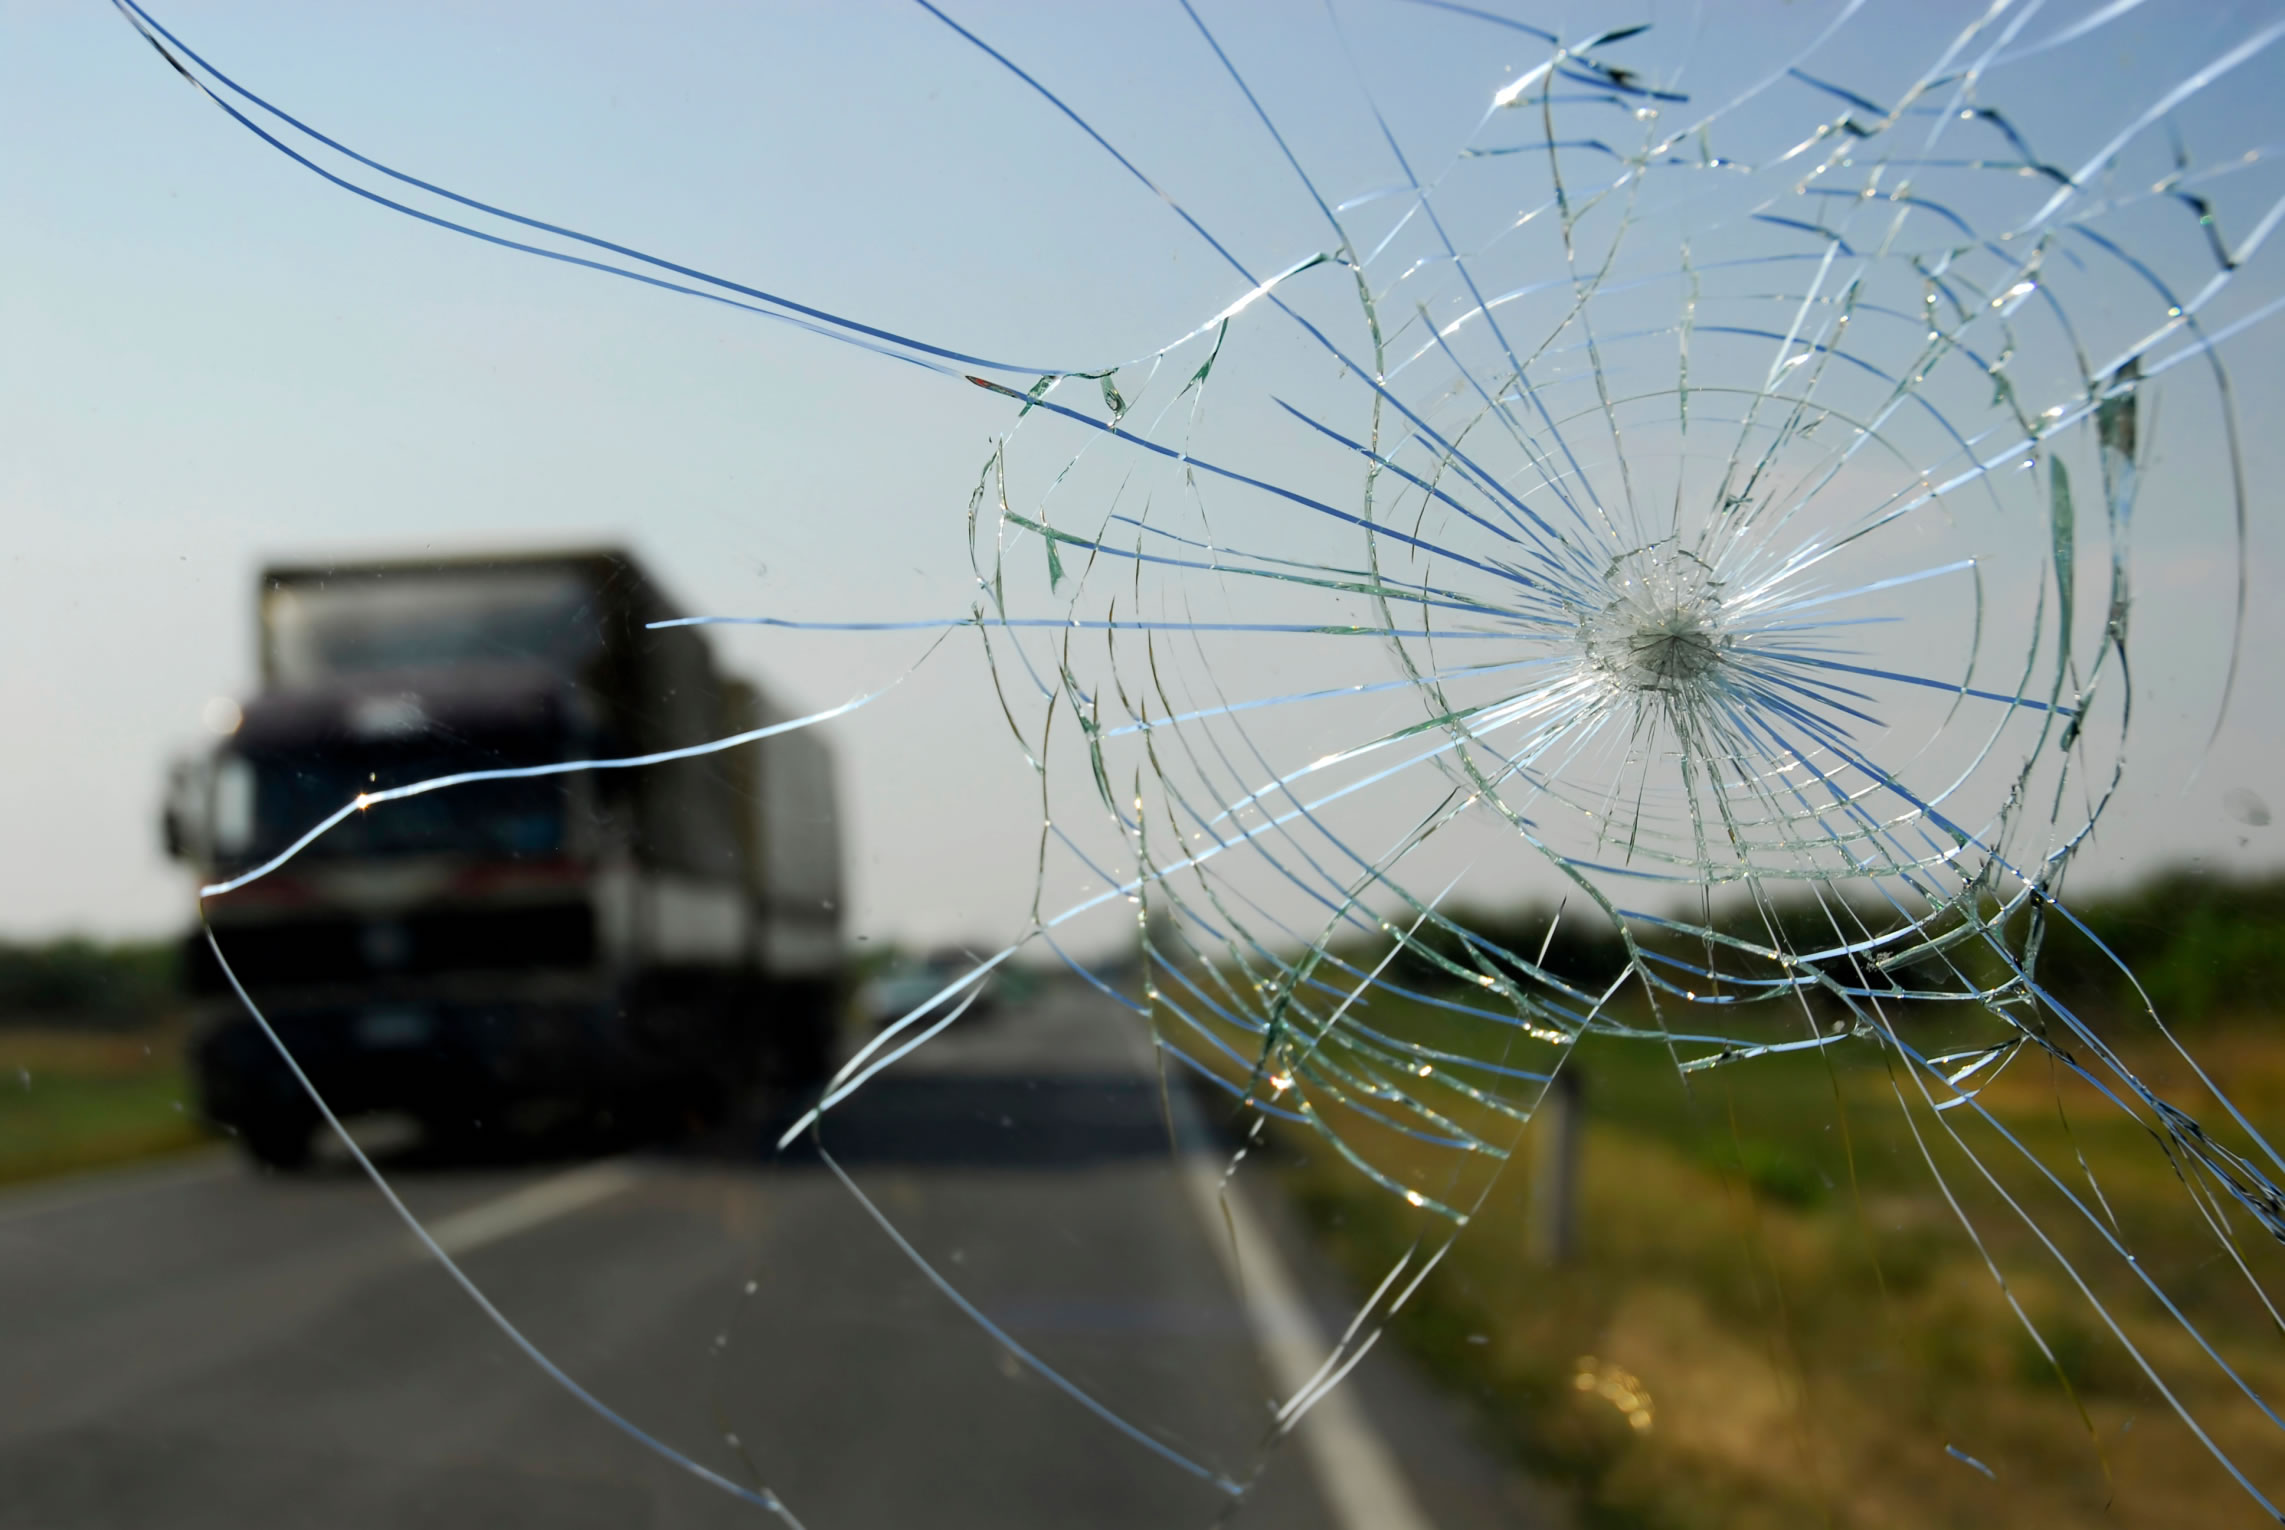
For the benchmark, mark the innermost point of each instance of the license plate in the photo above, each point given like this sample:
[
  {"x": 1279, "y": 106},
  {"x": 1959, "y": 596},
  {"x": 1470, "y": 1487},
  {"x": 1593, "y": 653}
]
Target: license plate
[{"x": 394, "y": 1027}]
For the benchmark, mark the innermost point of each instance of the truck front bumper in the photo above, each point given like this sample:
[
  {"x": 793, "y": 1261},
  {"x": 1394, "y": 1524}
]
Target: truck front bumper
[{"x": 436, "y": 1058}]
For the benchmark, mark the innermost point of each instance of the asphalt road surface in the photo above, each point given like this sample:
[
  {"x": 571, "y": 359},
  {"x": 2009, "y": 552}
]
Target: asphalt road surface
[{"x": 203, "y": 1345}]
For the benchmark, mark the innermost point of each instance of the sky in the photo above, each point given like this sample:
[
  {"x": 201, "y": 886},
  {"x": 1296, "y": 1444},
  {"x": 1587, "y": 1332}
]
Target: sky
[{"x": 209, "y": 359}]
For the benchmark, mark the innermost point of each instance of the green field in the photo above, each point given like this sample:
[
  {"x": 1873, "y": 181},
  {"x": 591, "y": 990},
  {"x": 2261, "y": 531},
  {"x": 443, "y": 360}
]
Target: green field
[{"x": 79, "y": 1099}]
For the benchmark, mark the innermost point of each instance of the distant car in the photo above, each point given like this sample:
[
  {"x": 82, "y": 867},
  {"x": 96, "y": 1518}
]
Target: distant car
[{"x": 905, "y": 985}]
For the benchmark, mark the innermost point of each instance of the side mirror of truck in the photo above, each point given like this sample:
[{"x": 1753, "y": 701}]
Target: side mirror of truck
[{"x": 184, "y": 824}]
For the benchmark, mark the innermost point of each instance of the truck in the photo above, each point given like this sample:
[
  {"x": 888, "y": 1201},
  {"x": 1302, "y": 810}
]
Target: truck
[{"x": 641, "y": 945}]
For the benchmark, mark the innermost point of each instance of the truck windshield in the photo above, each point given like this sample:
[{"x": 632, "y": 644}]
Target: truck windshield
[
  {"x": 316, "y": 630},
  {"x": 490, "y": 820}
]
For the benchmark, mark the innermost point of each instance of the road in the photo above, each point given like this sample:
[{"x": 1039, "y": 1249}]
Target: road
[{"x": 199, "y": 1344}]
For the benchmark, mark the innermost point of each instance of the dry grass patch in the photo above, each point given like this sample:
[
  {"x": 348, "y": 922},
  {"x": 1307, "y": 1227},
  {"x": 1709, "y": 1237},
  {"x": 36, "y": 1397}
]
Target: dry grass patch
[{"x": 1769, "y": 1263}]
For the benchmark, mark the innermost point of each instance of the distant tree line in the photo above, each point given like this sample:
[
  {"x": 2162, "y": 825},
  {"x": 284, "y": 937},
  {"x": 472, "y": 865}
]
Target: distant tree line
[
  {"x": 2199, "y": 945},
  {"x": 86, "y": 982}
]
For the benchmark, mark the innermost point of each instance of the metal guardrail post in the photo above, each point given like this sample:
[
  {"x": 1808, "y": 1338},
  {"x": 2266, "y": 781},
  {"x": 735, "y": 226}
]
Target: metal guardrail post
[{"x": 1553, "y": 1231}]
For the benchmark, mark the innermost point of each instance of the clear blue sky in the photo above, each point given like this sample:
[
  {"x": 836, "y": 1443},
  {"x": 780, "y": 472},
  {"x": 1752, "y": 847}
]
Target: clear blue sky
[{"x": 208, "y": 357}]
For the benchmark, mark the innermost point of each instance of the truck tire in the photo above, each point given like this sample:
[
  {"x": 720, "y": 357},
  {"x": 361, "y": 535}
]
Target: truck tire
[
  {"x": 281, "y": 1142},
  {"x": 806, "y": 1061},
  {"x": 809, "y": 1045}
]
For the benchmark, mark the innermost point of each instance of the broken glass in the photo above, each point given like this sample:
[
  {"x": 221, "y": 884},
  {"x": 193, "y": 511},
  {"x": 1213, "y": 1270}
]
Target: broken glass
[{"x": 1706, "y": 493}]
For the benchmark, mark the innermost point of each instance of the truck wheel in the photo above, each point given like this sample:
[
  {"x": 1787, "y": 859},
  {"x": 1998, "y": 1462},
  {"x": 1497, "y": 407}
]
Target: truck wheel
[
  {"x": 807, "y": 1057},
  {"x": 277, "y": 1142}
]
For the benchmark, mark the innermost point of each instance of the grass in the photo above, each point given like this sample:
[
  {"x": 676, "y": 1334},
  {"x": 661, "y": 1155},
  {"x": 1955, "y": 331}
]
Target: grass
[
  {"x": 1774, "y": 1317},
  {"x": 77, "y": 1099}
]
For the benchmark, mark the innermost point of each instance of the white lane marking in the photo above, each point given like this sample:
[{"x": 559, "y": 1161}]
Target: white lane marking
[
  {"x": 522, "y": 1210},
  {"x": 95, "y": 1186},
  {"x": 1355, "y": 1470}
]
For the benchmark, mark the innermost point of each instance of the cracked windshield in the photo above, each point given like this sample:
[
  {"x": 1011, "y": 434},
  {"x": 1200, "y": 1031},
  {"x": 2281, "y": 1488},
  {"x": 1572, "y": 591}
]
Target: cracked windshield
[{"x": 1361, "y": 763}]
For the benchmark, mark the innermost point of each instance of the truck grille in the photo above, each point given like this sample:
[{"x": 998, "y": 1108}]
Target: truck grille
[{"x": 336, "y": 948}]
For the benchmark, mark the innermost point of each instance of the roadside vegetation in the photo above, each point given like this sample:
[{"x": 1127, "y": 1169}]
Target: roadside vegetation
[
  {"x": 1771, "y": 1315},
  {"x": 79, "y": 984},
  {"x": 91, "y": 1058}
]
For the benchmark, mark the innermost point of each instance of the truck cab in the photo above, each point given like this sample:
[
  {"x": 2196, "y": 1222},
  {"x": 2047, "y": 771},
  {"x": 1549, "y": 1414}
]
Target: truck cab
[{"x": 640, "y": 944}]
